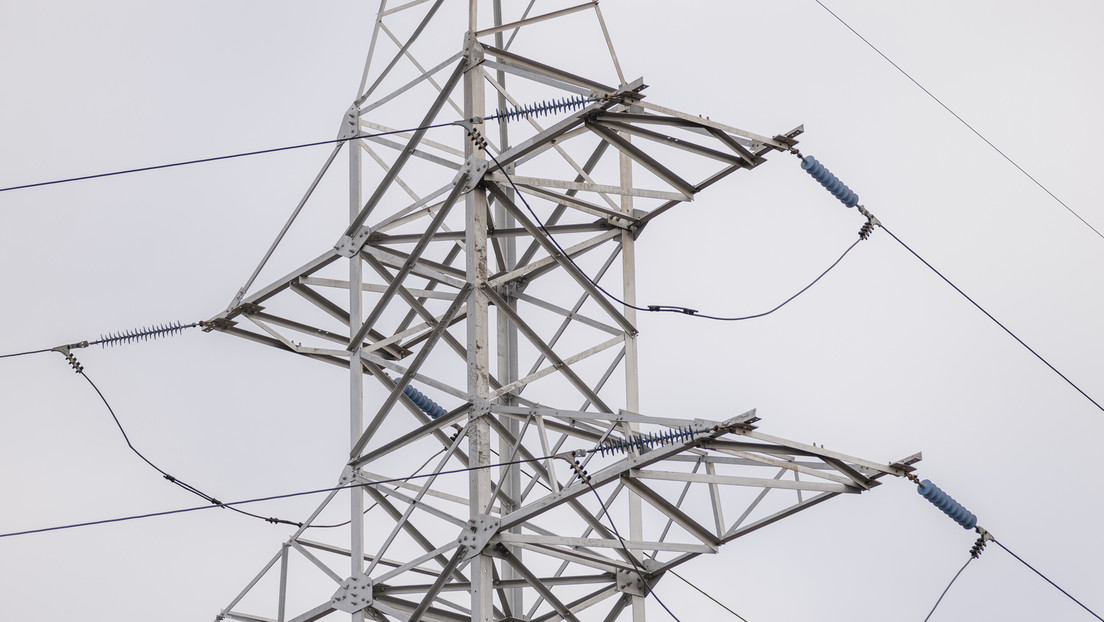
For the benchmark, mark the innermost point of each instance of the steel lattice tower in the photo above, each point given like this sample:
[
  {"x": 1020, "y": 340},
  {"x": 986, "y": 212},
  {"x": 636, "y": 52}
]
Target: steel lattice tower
[{"x": 445, "y": 281}]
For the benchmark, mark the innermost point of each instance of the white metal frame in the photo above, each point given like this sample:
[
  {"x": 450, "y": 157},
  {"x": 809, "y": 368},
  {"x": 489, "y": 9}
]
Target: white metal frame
[{"x": 445, "y": 264}]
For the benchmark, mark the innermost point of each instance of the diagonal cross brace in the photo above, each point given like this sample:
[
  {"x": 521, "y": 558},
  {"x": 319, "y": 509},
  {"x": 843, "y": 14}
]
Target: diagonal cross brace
[
  {"x": 563, "y": 260},
  {"x": 408, "y": 265},
  {"x": 420, "y": 358}
]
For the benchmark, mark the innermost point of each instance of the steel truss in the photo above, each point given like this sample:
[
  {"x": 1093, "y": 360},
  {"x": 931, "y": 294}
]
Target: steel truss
[{"x": 495, "y": 249}]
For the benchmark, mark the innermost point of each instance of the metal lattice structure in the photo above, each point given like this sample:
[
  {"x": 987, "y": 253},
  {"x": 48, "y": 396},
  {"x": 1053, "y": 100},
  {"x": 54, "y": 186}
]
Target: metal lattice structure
[{"x": 465, "y": 300}]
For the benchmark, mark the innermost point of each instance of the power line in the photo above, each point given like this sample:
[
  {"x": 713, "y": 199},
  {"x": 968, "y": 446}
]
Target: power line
[
  {"x": 707, "y": 595},
  {"x": 509, "y": 114},
  {"x": 270, "y": 498},
  {"x": 5, "y": 356},
  {"x": 1049, "y": 581},
  {"x": 663, "y": 308},
  {"x": 192, "y": 489},
  {"x": 118, "y": 338},
  {"x": 219, "y": 158},
  {"x": 995, "y": 320},
  {"x": 946, "y": 589},
  {"x": 371, "y": 507},
  {"x": 632, "y": 558},
  {"x": 963, "y": 121}
]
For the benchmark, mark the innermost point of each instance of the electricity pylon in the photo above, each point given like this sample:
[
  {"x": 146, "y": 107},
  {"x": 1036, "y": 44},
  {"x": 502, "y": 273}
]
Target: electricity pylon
[{"x": 532, "y": 488}]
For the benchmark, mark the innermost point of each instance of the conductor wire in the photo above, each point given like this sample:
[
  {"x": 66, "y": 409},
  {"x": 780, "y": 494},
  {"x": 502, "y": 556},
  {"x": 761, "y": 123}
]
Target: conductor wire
[
  {"x": 995, "y": 320},
  {"x": 232, "y": 156},
  {"x": 165, "y": 474},
  {"x": 963, "y": 121},
  {"x": 947, "y": 589},
  {"x": 632, "y": 558},
  {"x": 290, "y": 495},
  {"x": 663, "y": 308},
  {"x": 1094, "y": 614}
]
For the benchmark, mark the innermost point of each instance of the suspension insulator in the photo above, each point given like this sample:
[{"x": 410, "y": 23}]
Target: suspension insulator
[
  {"x": 829, "y": 181},
  {"x": 142, "y": 334},
  {"x": 422, "y": 401},
  {"x": 645, "y": 441},
  {"x": 542, "y": 108},
  {"x": 945, "y": 502}
]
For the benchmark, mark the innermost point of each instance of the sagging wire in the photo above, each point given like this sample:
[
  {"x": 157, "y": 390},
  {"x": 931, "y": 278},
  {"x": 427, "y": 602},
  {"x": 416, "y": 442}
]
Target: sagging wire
[
  {"x": 72, "y": 360},
  {"x": 481, "y": 143},
  {"x": 947, "y": 589}
]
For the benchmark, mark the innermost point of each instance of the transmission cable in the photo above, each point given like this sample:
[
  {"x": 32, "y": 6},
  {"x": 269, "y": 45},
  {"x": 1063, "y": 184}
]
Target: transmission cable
[
  {"x": 511, "y": 113},
  {"x": 219, "y": 158},
  {"x": 131, "y": 336},
  {"x": 666, "y": 308},
  {"x": 371, "y": 507},
  {"x": 947, "y": 589},
  {"x": 833, "y": 184},
  {"x": 995, "y": 320},
  {"x": 968, "y": 520},
  {"x": 584, "y": 477},
  {"x": 1070, "y": 596},
  {"x": 963, "y": 121},
  {"x": 5, "y": 356},
  {"x": 118, "y": 338},
  {"x": 707, "y": 595},
  {"x": 186, "y": 486},
  {"x": 290, "y": 495}
]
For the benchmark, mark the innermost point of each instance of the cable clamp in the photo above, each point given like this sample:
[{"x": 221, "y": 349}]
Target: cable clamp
[
  {"x": 871, "y": 218},
  {"x": 979, "y": 546},
  {"x": 72, "y": 360},
  {"x": 669, "y": 308},
  {"x": 572, "y": 458}
]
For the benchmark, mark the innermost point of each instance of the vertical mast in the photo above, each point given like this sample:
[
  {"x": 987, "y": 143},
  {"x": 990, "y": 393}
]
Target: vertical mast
[
  {"x": 478, "y": 359},
  {"x": 507, "y": 339},
  {"x": 356, "y": 374}
]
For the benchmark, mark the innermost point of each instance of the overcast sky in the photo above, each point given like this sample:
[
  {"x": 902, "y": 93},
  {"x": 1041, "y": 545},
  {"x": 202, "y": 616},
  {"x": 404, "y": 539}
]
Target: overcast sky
[{"x": 881, "y": 359}]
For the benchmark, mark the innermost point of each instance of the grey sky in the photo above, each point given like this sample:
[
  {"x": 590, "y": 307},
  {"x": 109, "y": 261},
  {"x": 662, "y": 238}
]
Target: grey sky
[{"x": 879, "y": 360}]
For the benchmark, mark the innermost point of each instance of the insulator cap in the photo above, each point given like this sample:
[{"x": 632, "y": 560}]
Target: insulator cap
[
  {"x": 829, "y": 181},
  {"x": 646, "y": 441},
  {"x": 945, "y": 502},
  {"x": 423, "y": 402}
]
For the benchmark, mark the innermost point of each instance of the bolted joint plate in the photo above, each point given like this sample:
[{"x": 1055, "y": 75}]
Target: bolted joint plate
[
  {"x": 630, "y": 582},
  {"x": 478, "y": 535},
  {"x": 348, "y": 475},
  {"x": 354, "y": 594},
  {"x": 349, "y": 123},
  {"x": 475, "y": 169},
  {"x": 349, "y": 246}
]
